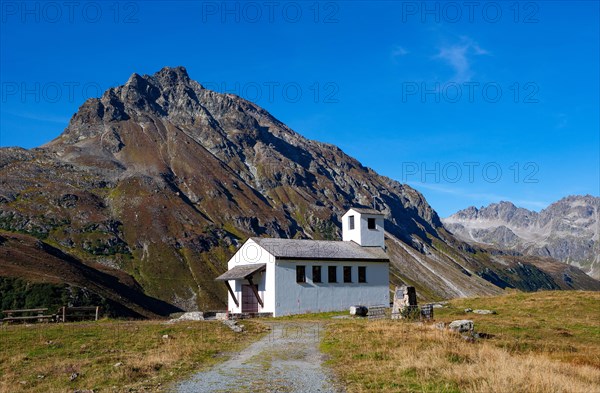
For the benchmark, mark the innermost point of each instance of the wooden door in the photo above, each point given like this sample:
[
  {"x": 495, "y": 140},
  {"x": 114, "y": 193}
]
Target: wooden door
[{"x": 249, "y": 301}]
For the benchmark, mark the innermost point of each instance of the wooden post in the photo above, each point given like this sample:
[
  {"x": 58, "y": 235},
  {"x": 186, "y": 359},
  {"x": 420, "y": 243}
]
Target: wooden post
[
  {"x": 64, "y": 314},
  {"x": 97, "y": 312},
  {"x": 232, "y": 293}
]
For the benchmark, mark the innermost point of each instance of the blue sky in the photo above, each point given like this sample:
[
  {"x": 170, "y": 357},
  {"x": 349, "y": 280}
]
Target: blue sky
[{"x": 469, "y": 104}]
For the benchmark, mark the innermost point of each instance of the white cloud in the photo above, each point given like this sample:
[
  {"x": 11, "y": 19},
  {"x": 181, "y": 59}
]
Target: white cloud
[
  {"x": 399, "y": 51},
  {"x": 40, "y": 117},
  {"x": 459, "y": 58},
  {"x": 562, "y": 120}
]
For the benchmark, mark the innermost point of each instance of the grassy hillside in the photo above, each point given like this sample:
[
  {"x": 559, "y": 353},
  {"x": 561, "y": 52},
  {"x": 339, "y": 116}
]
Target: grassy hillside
[
  {"x": 563, "y": 326},
  {"x": 541, "y": 342},
  {"x": 112, "y": 355},
  {"x": 35, "y": 274},
  {"x": 21, "y": 294}
]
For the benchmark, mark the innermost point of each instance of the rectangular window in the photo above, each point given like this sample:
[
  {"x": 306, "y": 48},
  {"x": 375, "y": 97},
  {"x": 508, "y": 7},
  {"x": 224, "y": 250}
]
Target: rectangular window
[
  {"x": 347, "y": 273},
  {"x": 332, "y": 273},
  {"x": 362, "y": 274},
  {"x": 316, "y": 273},
  {"x": 371, "y": 223},
  {"x": 351, "y": 222},
  {"x": 300, "y": 273}
]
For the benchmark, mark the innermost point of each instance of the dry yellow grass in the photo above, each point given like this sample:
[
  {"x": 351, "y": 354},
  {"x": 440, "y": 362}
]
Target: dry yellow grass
[
  {"x": 112, "y": 355},
  {"x": 392, "y": 356},
  {"x": 559, "y": 324}
]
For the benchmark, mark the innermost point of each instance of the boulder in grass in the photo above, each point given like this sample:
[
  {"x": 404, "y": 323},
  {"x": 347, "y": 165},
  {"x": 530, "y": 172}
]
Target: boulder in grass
[
  {"x": 221, "y": 316},
  {"x": 233, "y": 325},
  {"x": 462, "y": 326},
  {"x": 359, "y": 311},
  {"x": 189, "y": 316},
  {"x": 439, "y": 326},
  {"x": 484, "y": 312}
]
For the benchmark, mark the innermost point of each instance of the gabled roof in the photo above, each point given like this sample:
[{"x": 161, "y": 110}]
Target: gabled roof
[
  {"x": 241, "y": 272},
  {"x": 295, "y": 249},
  {"x": 366, "y": 211}
]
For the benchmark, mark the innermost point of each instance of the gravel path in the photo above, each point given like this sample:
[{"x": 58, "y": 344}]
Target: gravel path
[{"x": 286, "y": 360}]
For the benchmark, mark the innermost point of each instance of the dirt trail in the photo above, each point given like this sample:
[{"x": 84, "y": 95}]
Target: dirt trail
[{"x": 286, "y": 360}]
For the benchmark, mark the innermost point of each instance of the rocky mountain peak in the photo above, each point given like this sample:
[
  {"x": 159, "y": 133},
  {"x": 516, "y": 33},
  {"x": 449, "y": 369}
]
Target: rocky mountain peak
[
  {"x": 168, "y": 93},
  {"x": 568, "y": 230},
  {"x": 172, "y": 75},
  {"x": 165, "y": 78},
  {"x": 168, "y": 90},
  {"x": 470, "y": 212},
  {"x": 502, "y": 210},
  {"x": 152, "y": 120}
]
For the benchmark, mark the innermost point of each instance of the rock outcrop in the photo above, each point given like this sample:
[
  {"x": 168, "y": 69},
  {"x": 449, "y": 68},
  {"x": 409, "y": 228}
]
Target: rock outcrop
[{"x": 567, "y": 230}]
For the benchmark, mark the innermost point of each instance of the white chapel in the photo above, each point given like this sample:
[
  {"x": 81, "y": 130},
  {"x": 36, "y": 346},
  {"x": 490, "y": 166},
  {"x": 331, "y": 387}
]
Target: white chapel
[{"x": 290, "y": 276}]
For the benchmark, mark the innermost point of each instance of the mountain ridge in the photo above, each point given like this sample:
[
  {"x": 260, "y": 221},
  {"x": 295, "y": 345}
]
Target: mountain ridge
[
  {"x": 567, "y": 230},
  {"x": 164, "y": 179}
]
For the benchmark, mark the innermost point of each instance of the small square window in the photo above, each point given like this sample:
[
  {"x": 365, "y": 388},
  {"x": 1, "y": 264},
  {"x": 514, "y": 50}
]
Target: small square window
[
  {"x": 347, "y": 273},
  {"x": 316, "y": 271},
  {"x": 300, "y": 273},
  {"x": 351, "y": 222},
  {"x": 332, "y": 273},
  {"x": 362, "y": 274},
  {"x": 371, "y": 223}
]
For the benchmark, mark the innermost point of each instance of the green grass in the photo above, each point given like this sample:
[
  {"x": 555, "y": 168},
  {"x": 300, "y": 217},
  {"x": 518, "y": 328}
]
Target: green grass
[
  {"x": 563, "y": 325},
  {"x": 541, "y": 342},
  {"x": 42, "y": 357},
  {"x": 323, "y": 316}
]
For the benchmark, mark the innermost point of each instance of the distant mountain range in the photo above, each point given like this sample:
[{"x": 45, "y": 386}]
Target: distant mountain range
[
  {"x": 567, "y": 230},
  {"x": 163, "y": 179}
]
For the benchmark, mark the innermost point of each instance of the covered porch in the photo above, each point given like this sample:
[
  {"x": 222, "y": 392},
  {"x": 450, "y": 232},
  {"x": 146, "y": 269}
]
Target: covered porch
[{"x": 245, "y": 292}]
